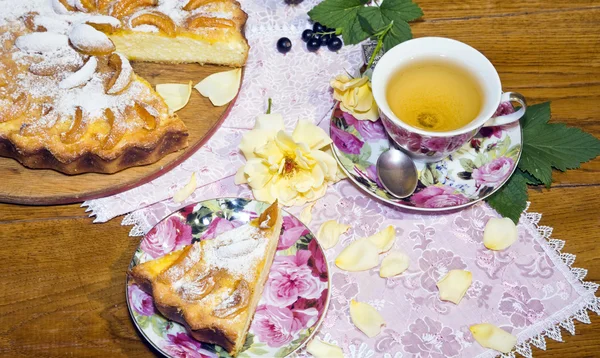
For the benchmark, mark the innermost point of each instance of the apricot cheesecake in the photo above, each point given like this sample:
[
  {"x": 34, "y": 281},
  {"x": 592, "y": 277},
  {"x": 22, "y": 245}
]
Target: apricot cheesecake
[
  {"x": 212, "y": 287},
  {"x": 69, "y": 98}
]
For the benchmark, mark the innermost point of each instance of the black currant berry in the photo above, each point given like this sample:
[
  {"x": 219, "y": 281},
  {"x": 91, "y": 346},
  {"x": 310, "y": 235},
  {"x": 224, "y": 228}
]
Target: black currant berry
[
  {"x": 293, "y": 2},
  {"x": 307, "y": 35},
  {"x": 317, "y": 27},
  {"x": 313, "y": 45},
  {"x": 284, "y": 45},
  {"x": 334, "y": 44},
  {"x": 325, "y": 40}
]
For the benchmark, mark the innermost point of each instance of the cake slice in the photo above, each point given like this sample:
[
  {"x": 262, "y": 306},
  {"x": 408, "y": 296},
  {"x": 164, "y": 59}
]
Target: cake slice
[{"x": 212, "y": 287}]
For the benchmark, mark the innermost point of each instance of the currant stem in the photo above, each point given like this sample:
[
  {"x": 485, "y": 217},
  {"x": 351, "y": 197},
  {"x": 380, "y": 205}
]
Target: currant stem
[{"x": 269, "y": 107}]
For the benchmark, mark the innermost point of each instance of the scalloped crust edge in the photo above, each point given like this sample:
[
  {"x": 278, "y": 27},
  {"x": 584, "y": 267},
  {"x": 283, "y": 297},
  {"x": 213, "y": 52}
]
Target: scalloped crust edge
[{"x": 131, "y": 156}]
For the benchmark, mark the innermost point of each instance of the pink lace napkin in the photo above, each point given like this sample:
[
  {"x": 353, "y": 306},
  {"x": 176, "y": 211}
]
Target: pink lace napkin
[{"x": 530, "y": 289}]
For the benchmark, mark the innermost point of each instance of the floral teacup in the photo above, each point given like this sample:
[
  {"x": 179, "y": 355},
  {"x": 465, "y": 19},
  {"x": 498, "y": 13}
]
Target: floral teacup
[{"x": 429, "y": 146}]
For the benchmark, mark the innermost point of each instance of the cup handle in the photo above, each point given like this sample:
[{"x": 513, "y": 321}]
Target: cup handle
[{"x": 511, "y": 117}]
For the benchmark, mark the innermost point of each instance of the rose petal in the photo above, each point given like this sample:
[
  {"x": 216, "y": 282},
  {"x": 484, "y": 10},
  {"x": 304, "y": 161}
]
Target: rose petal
[
  {"x": 344, "y": 82},
  {"x": 240, "y": 177},
  {"x": 454, "y": 285},
  {"x": 222, "y": 87},
  {"x": 270, "y": 122},
  {"x": 306, "y": 214},
  {"x": 360, "y": 255},
  {"x": 366, "y": 318},
  {"x": 311, "y": 135},
  {"x": 187, "y": 190},
  {"x": 499, "y": 234},
  {"x": 490, "y": 336},
  {"x": 329, "y": 233},
  {"x": 328, "y": 164},
  {"x": 394, "y": 264},
  {"x": 176, "y": 95},
  {"x": 384, "y": 240},
  {"x": 320, "y": 349}
]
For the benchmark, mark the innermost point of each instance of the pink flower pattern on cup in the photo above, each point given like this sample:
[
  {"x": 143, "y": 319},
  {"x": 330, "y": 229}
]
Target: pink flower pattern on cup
[
  {"x": 424, "y": 147},
  {"x": 167, "y": 236},
  {"x": 494, "y": 172},
  {"x": 438, "y": 197}
]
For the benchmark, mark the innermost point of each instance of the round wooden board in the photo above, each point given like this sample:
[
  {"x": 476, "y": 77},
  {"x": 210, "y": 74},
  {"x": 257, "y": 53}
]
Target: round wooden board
[{"x": 21, "y": 185}]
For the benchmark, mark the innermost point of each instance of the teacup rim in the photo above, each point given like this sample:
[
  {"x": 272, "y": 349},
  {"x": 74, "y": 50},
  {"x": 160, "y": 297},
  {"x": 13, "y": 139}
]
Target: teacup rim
[{"x": 397, "y": 52}]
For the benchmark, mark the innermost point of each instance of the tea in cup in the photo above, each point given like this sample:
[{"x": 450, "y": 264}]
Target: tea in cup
[{"x": 434, "y": 94}]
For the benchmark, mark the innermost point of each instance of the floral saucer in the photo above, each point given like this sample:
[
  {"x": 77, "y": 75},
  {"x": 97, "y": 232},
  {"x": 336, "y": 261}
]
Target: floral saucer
[
  {"x": 294, "y": 301},
  {"x": 474, "y": 172}
]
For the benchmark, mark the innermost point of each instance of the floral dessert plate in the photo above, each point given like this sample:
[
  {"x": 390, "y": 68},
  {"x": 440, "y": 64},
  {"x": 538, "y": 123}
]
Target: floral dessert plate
[
  {"x": 294, "y": 301},
  {"x": 474, "y": 172}
]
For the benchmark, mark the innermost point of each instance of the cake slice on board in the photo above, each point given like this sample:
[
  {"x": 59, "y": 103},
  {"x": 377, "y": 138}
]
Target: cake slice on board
[{"x": 212, "y": 287}]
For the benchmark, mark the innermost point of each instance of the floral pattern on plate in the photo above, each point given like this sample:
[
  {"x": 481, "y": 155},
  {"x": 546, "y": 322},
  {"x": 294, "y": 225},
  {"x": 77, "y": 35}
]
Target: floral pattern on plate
[
  {"x": 294, "y": 300},
  {"x": 471, "y": 174}
]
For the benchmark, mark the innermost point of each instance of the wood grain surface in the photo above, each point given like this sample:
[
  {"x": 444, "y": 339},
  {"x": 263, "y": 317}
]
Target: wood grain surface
[
  {"x": 21, "y": 185},
  {"x": 62, "y": 277}
]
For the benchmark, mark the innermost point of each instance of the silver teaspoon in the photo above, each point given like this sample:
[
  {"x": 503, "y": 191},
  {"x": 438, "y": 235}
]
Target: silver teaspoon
[{"x": 397, "y": 172}]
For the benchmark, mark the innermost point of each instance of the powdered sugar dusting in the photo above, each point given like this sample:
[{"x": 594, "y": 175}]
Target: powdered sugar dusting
[
  {"x": 83, "y": 36},
  {"x": 146, "y": 28},
  {"x": 238, "y": 251},
  {"x": 82, "y": 76},
  {"x": 104, "y": 19},
  {"x": 124, "y": 77},
  {"x": 41, "y": 42}
]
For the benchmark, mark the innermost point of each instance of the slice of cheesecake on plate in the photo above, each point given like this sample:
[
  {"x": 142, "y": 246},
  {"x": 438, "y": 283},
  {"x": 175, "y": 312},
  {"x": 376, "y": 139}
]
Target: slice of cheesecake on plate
[{"x": 212, "y": 287}]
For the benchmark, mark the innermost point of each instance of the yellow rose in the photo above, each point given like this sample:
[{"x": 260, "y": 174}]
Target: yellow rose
[
  {"x": 356, "y": 97},
  {"x": 290, "y": 168}
]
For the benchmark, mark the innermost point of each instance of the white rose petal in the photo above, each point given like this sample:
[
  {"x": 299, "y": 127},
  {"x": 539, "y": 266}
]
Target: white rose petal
[
  {"x": 306, "y": 214},
  {"x": 360, "y": 255},
  {"x": 384, "y": 240},
  {"x": 176, "y": 95},
  {"x": 320, "y": 349},
  {"x": 366, "y": 318},
  {"x": 454, "y": 285},
  {"x": 222, "y": 87},
  {"x": 187, "y": 190},
  {"x": 499, "y": 234},
  {"x": 394, "y": 264},
  {"x": 329, "y": 233},
  {"x": 490, "y": 336}
]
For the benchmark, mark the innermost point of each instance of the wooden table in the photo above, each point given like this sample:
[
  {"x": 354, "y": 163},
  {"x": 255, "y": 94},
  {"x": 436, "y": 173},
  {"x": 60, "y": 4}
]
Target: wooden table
[{"x": 62, "y": 277}]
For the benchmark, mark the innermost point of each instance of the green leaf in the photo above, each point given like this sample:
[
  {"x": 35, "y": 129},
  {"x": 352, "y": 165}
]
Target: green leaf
[
  {"x": 405, "y": 10},
  {"x": 511, "y": 199},
  {"x": 537, "y": 114},
  {"x": 553, "y": 145},
  {"x": 341, "y": 14},
  {"x": 530, "y": 179},
  {"x": 399, "y": 33},
  {"x": 371, "y": 19}
]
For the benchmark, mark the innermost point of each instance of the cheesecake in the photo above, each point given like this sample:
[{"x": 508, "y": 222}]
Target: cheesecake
[{"x": 212, "y": 287}]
